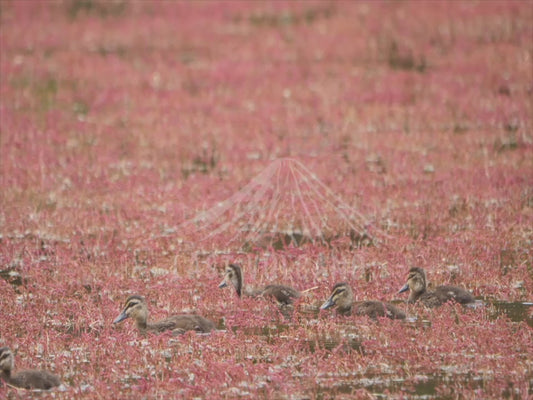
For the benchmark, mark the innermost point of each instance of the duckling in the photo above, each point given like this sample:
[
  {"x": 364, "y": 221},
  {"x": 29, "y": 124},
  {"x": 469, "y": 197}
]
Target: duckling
[
  {"x": 27, "y": 379},
  {"x": 342, "y": 297},
  {"x": 284, "y": 295},
  {"x": 137, "y": 309},
  {"x": 416, "y": 282}
]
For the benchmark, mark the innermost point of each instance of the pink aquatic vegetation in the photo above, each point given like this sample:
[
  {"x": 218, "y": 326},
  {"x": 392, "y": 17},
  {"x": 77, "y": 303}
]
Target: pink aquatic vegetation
[
  {"x": 284, "y": 205},
  {"x": 121, "y": 119}
]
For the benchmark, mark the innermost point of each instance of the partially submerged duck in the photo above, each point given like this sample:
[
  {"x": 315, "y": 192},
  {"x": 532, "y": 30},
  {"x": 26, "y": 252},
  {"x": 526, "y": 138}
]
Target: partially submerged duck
[
  {"x": 137, "y": 309},
  {"x": 233, "y": 276},
  {"x": 26, "y": 379},
  {"x": 342, "y": 298},
  {"x": 417, "y": 284}
]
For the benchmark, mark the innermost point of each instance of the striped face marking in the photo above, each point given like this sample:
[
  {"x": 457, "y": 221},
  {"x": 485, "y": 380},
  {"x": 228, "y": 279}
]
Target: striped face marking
[
  {"x": 416, "y": 281},
  {"x": 233, "y": 276},
  {"x": 4, "y": 353},
  {"x": 228, "y": 276},
  {"x": 6, "y": 359},
  {"x": 230, "y": 273},
  {"x": 131, "y": 303},
  {"x": 339, "y": 290},
  {"x": 134, "y": 304},
  {"x": 416, "y": 278}
]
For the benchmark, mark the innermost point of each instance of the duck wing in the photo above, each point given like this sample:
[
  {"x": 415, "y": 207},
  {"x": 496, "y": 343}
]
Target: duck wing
[
  {"x": 446, "y": 293},
  {"x": 183, "y": 323},
  {"x": 375, "y": 309},
  {"x": 394, "y": 312},
  {"x": 35, "y": 379},
  {"x": 432, "y": 299},
  {"x": 283, "y": 294}
]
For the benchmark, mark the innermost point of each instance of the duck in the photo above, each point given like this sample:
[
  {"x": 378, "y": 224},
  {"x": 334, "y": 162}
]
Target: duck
[
  {"x": 26, "y": 379},
  {"x": 137, "y": 309},
  {"x": 284, "y": 295},
  {"x": 416, "y": 283},
  {"x": 342, "y": 298}
]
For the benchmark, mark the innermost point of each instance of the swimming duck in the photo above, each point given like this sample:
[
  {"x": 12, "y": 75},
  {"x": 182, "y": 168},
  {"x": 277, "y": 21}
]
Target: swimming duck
[
  {"x": 26, "y": 379},
  {"x": 284, "y": 295},
  {"x": 416, "y": 283},
  {"x": 137, "y": 309},
  {"x": 342, "y": 297}
]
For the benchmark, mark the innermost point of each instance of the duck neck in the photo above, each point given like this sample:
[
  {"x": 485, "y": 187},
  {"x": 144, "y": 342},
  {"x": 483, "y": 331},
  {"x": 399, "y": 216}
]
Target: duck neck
[
  {"x": 246, "y": 290},
  {"x": 345, "y": 310},
  {"x": 237, "y": 283},
  {"x": 142, "y": 324},
  {"x": 6, "y": 375},
  {"x": 415, "y": 295}
]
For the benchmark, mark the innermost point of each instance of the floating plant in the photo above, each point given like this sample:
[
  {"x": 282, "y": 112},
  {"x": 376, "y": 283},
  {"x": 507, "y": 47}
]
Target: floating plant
[{"x": 119, "y": 118}]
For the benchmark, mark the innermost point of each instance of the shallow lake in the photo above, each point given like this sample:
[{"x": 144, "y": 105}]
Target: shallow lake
[{"x": 387, "y": 385}]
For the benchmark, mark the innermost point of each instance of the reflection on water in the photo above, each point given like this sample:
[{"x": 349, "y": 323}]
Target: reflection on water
[
  {"x": 348, "y": 342},
  {"x": 430, "y": 386},
  {"x": 516, "y": 311},
  {"x": 416, "y": 387},
  {"x": 385, "y": 385}
]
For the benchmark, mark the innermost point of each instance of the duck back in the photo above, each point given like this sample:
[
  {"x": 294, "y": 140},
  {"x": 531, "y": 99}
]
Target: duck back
[
  {"x": 375, "y": 309},
  {"x": 417, "y": 284},
  {"x": 33, "y": 379},
  {"x": 181, "y": 324},
  {"x": 446, "y": 293},
  {"x": 283, "y": 294}
]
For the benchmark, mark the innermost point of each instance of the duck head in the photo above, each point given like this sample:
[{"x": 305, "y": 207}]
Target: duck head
[
  {"x": 135, "y": 308},
  {"x": 341, "y": 297},
  {"x": 7, "y": 362},
  {"x": 416, "y": 281},
  {"x": 232, "y": 276}
]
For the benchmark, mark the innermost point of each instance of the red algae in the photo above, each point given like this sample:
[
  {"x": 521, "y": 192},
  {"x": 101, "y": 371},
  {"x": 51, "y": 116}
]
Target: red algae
[{"x": 122, "y": 121}]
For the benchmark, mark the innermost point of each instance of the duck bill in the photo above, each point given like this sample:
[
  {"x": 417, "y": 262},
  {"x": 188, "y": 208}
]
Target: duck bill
[
  {"x": 405, "y": 288},
  {"x": 327, "y": 304},
  {"x": 120, "y": 318},
  {"x": 223, "y": 284}
]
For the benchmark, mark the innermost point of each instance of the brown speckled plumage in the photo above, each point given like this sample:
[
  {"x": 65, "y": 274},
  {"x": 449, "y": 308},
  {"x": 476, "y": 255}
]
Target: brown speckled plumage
[
  {"x": 417, "y": 284},
  {"x": 26, "y": 379},
  {"x": 342, "y": 298},
  {"x": 233, "y": 275},
  {"x": 137, "y": 309}
]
